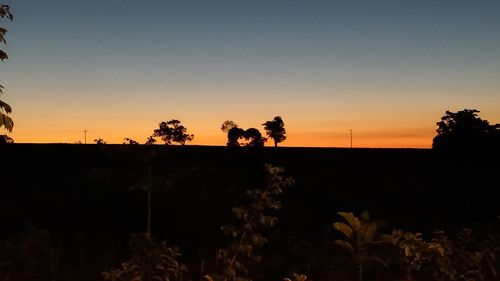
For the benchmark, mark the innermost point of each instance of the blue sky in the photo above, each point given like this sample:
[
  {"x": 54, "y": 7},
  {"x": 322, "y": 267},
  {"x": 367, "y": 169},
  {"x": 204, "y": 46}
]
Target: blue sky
[{"x": 386, "y": 69}]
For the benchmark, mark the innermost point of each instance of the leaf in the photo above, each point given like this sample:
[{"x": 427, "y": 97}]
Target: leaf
[
  {"x": 5, "y": 106},
  {"x": 246, "y": 249},
  {"x": 369, "y": 231},
  {"x": 229, "y": 230},
  {"x": 239, "y": 212},
  {"x": 208, "y": 277},
  {"x": 7, "y": 122},
  {"x": 299, "y": 277},
  {"x": 439, "y": 249},
  {"x": 391, "y": 238},
  {"x": 344, "y": 228},
  {"x": 3, "y": 55},
  {"x": 3, "y": 31},
  {"x": 351, "y": 219},
  {"x": 344, "y": 244}
]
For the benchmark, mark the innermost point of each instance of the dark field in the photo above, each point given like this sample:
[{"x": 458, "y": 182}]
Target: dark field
[{"x": 81, "y": 195}]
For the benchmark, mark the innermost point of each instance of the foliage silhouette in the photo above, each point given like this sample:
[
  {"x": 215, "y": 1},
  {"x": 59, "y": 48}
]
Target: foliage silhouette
[
  {"x": 233, "y": 135},
  {"x": 466, "y": 131},
  {"x": 280, "y": 259},
  {"x": 275, "y": 129},
  {"x": 228, "y": 125},
  {"x": 130, "y": 141},
  {"x": 253, "y": 218},
  {"x": 172, "y": 131},
  {"x": 360, "y": 233},
  {"x": 29, "y": 256},
  {"x": 296, "y": 277},
  {"x": 150, "y": 141},
  {"x": 5, "y": 108},
  {"x": 467, "y": 257},
  {"x": 99, "y": 141},
  {"x": 149, "y": 261},
  {"x": 252, "y": 136},
  {"x": 4, "y": 139}
]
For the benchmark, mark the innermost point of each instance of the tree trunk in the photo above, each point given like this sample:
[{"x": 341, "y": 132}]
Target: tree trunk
[{"x": 149, "y": 214}]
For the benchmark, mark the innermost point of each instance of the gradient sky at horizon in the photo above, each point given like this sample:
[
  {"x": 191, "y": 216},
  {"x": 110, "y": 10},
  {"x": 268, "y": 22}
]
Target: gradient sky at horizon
[{"x": 388, "y": 70}]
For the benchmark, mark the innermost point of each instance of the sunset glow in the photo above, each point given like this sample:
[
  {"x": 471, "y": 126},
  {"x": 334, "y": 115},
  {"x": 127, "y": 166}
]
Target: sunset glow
[{"x": 118, "y": 68}]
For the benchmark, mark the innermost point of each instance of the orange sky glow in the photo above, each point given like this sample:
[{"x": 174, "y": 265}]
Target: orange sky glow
[{"x": 387, "y": 71}]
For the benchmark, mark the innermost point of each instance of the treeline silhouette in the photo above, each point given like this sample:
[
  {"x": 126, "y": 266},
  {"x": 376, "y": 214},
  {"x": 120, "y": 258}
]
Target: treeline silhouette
[{"x": 462, "y": 132}]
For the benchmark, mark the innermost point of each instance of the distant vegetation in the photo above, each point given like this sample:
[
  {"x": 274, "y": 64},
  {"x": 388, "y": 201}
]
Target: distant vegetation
[
  {"x": 252, "y": 137},
  {"x": 239, "y": 137},
  {"x": 465, "y": 131},
  {"x": 183, "y": 198},
  {"x": 99, "y": 141},
  {"x": 172, "y": 131},
  {"x": 130, "y": 141},
  {"x": 458, "y": 132},
  {"x": 275, "y": 129}
]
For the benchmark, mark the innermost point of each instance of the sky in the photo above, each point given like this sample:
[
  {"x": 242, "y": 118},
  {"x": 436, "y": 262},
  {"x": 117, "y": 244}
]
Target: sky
[{"x": 388, "y": 70}]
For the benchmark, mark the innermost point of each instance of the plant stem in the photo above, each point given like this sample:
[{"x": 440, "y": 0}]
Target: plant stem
[{"x": 149, "y": 214}]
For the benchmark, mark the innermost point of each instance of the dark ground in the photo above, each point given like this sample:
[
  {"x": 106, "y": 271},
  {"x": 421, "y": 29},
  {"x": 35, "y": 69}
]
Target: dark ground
[{"x": 80, "y": 193}]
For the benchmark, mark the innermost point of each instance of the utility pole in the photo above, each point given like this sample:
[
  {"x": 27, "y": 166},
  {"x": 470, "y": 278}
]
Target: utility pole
[
  {"x": 85, "y": 140},
  {"x": 351, "y": 136}
]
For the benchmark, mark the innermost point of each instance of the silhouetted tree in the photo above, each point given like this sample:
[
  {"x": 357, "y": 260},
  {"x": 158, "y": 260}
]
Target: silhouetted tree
[
  {"x": 5, "y": 109},
  {"x": 466, "y": 131},
  {"x": 254, "y": 138},
  {"x": 275, "y": 130},
  {"x": 150, "y": 141},
  {"x": 173, "y": 131},
  {"x": 140, "y": 170},
  {"x": 228, "y": 125},
  {"x": 130, "y": 141},
  {"x": 233, "y": 135}
]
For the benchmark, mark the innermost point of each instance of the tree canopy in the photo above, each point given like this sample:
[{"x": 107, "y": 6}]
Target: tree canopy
[
  {"x": 252, "y": 137},
  {"x": 228, "y": 125},
  {"x": 172, "y": 131},
  {"x": 233, "y": 135},
  {"x": 275, "y": 129},
  {"x": 466, "y": 131}
]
